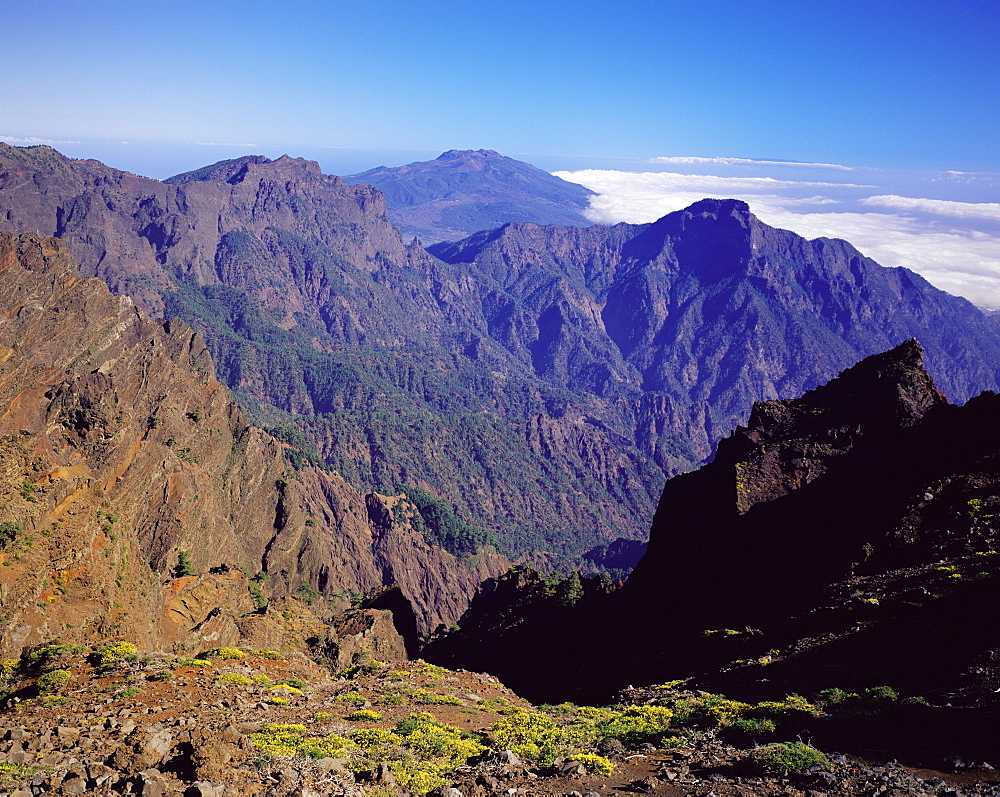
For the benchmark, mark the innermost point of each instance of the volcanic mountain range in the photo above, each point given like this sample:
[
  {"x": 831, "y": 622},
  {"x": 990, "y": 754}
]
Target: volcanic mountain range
[{"x": 541, "y": 381}]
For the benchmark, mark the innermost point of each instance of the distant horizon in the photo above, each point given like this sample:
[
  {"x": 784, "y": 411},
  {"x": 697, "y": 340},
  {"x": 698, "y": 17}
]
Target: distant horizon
[{"x": 940, "y": 224}]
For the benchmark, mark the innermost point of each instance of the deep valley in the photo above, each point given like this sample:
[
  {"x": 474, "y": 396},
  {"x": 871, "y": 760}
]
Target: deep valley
[{"x": 293, "y": 506}]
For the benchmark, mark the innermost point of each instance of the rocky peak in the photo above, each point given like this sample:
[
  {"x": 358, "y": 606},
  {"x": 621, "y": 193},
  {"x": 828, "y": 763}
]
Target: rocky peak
[
  {"x": 788, "y": 444},
  {"x": 223, "y": 171},
  {"x": 719, "y": 208},
  {"x": 286, "y": 167}
]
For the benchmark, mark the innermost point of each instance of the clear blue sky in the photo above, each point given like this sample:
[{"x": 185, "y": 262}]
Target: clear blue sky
[{"x": 877, "y": 83}]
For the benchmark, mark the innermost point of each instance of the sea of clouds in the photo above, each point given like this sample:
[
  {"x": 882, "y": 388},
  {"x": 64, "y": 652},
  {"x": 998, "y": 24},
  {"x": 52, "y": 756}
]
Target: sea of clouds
[{"x": 931, "y": 222}]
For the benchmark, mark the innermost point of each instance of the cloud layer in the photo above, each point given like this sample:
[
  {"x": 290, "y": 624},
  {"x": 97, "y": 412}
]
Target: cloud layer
[
  {"x": 696, "y": 161},
  {"x": 953, "y": 244},
  {"x": 31, "y": 141}
]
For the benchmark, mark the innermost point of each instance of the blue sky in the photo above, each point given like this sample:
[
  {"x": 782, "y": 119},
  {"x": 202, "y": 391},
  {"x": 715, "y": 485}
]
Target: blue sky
[{"x": 903, "y": 91}]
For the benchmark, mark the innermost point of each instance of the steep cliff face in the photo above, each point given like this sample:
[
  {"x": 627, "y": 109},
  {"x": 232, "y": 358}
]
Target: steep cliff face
[
  {"x": 795, "y": 500},
  {"x": 846, "y": 538},
  {"x": 121, "y": 450}
]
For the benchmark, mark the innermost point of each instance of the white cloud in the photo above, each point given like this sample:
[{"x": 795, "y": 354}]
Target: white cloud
[
  {"x": 32, "y": 141},
  {"x": 639, "y": 197},
  {"x": 939, "y": 207},
  {"x": 691, "y": 159},
  {"x": 961, "y": 261},
  {"x": 946, "y": 242}
]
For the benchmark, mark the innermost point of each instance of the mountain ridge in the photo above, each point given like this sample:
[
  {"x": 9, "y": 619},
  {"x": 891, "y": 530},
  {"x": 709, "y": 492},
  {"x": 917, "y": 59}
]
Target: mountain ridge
[{"x": 544, "y": 382}]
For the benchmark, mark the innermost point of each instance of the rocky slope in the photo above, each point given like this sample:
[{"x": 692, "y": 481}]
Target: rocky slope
[
  {"x": 844, "y": 539},
  {"x": 268, "y": 722},
  {"x": 138, "y": 500},
  {"x": 464, "y": 191}
]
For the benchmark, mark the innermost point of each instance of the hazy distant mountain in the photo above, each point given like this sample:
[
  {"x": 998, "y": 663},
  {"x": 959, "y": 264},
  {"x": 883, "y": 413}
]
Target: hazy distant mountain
[{"x": 464, "y": 191}]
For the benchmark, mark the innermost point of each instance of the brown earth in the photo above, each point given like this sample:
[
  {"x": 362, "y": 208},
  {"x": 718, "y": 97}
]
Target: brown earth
[{"x": 120, "y": 451}]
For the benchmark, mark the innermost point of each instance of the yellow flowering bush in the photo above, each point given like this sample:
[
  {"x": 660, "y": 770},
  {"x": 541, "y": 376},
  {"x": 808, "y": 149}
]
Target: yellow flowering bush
[
  {"x": 115, "y": 653},
  {"x": 233, "y": 678},
  {"x": 365, "y": 715}
]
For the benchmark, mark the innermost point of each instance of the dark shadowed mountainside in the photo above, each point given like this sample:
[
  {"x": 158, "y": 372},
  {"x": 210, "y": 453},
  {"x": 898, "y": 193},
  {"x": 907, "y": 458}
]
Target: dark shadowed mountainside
[
  {"x": 464, "y": 191},
  {"x": 845, "y": 539}
]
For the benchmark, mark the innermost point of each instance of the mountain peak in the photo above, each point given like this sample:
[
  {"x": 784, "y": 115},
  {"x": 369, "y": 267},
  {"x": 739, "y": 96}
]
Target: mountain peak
[
  {"x": 222, "y": 171},
  {"x": 456, "y": 154},
  {"x": 719, "y": 207},
  {"x": 463, "y": 191}
]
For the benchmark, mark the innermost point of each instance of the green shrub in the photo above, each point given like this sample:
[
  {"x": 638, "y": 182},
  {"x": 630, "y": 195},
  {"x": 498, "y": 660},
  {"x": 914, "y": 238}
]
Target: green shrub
[
  {"x": 832, "y": 696},
  {"x": 185, "y": 567},
  {"x": 290, "y": 740},
  {"x": 755, "y": 726},
  {"x": 53, "y": 681},
  {"x": 430, "y": 698},
  {"x": 718, "y": 710},
  {"x": 570, "y": 590},
  {"x": 527, "y": 733},
  {"x": 256, "y": 594},
  {"x": 195, "y": 663},
  {"x": 227, "y": 653},
  {"x": 13, "y": 774},
  {"x": 41, "y": 656},
  {"x": 636, "y": 724},
  {"x": 595, "y": 764},
  {"x": 365, "y": 715},
  {"x": 785, "y": 757},
  {"x": 419, "y": 753},
  {"x": 880, "y": 693},
  {"x": 8, "y": 669},
  {"x": 9, "y": 531},
  {"x": 284, "y": 689}
]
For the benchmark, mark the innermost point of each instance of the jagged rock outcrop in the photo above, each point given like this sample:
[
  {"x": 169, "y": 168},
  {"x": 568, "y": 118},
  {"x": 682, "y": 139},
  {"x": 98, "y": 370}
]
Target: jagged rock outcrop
[{"x": 121, "y": 452}]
